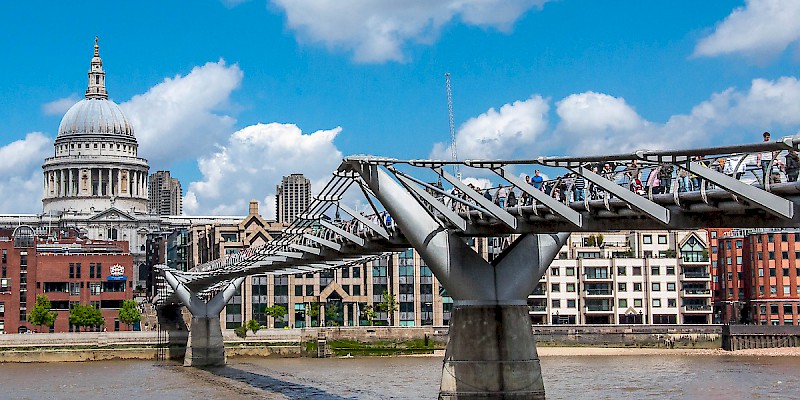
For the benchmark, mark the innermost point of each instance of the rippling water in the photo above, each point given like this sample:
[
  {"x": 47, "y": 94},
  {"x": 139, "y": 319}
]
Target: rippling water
[{"x": 595, "y": 377}]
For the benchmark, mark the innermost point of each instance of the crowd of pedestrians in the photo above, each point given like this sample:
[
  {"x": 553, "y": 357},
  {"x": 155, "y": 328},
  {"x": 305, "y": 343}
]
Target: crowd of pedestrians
[{"x": 646, "y": 179}]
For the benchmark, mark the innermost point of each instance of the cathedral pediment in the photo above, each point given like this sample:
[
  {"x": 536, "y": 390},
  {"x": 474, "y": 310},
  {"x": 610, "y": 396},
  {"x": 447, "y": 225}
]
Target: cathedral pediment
[{"x": 112, "y": 214}]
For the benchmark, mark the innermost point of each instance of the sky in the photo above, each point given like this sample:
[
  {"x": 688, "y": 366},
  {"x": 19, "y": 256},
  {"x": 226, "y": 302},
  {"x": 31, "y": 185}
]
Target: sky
[{"x": 231, "y": 95}]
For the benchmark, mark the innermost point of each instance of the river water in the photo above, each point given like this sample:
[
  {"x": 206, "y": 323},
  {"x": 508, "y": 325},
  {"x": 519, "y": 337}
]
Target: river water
[{"x": 573, "y": 378}]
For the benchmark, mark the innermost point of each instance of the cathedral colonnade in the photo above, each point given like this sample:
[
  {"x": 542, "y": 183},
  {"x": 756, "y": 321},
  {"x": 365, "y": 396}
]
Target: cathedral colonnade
[{"x": 95, "y": 181}]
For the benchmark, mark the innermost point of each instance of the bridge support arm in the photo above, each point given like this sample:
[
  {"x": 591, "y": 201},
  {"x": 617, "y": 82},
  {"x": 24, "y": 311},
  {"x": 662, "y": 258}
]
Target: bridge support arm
[
  {"x": 205, "y": 347},
  {"x": 491, "y": 352}
]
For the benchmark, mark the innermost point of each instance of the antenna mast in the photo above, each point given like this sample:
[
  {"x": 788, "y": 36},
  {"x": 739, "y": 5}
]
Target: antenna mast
[{"x": 453, "y": 149}]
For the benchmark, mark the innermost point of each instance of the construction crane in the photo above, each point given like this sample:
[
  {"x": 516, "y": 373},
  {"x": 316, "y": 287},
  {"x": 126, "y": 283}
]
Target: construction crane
[{"x": 453, "y": 149}]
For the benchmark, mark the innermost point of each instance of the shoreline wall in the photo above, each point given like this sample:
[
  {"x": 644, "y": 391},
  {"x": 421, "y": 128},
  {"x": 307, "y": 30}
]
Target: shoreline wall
[{"x": 91, "y": 346}]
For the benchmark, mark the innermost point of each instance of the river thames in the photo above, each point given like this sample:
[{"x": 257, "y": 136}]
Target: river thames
[{"x": 571, "y": 377}]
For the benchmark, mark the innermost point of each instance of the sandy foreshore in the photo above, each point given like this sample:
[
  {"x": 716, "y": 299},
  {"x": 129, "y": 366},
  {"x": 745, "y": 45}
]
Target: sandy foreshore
[
  {"x": 629, "y": 351},
  {"x": 632, "y": 351}
]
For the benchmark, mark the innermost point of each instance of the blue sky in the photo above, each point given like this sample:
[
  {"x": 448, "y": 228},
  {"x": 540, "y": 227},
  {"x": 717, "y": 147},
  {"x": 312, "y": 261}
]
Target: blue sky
[{"x": 230, "y": 95}]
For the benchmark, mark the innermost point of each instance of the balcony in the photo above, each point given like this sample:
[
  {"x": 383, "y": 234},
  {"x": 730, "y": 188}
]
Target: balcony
[
  {"x": 537, "y": 309},
  {"x": 700, "y": 275},
  {"x": 597, "y": 277},
  {"x": 598, "y": 309},
  {"x": 696, "y": 292},
  {"x": 598, "y": 293},
  {"x": 696, "y": 308}
]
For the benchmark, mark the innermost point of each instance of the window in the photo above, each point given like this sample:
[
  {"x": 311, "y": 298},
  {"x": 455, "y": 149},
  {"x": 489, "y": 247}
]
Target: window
[
  {"x": 773, "y": 309},
  {"x": 622, "y": 271},
  {"x": 309, "y": 290},
  {"x": 637, "y": 302},
  {"x": 662, "y": 239},
  {"x": 555, "y": 287},
  {"x": 787, "y": 289},
  {"x": 623, "y": 303},
  {"x": 670, "y": 287},
  {"x": 784, "y": 255},
  {"x": 761, "y": 272},
  {"x": 771, "y": 255},
  {"x": 356, "y": 290},
  {"x": 786, "y": 272},
  {"x": 637, "y": 271},
  {"x": 298, "y": 290},
  {"x": 571, "y": 303},
  {"x": 77, "y": 270},
  {"x": 655, "y": 270},
  {"x": 672, "y": 303},
  {"x": 71, "y": 270},
  {"x": 637, "y": 287},
  {"x": 622, "y": 286},
  {"x": 570, "y": 271},
  {"x": 656, "y": 303},
  {"x": 555, "y": 271},
  {"x": 556, "y": 303},
  {"x": 693, "y": 250},
  {"x": 773, "y": 289},
  {"x": 357, "y": 272},
  {"x": 94, "y": 288},
  {"x": 738, "y": 244},
  {"x": 345, "y": 272},
  {"x": 570, "y": 287},
  {"x": 772, "y": 272},
  {"x": 647, "y": 239},
  {"x": 74, "y": 289},
  {"x": 656, "y": 287},
  {"x": 670, "y": 270}
]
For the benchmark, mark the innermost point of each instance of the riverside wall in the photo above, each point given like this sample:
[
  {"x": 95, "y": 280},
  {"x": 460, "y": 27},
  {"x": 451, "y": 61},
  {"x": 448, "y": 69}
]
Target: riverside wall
[{"x": 150, "y": 345}]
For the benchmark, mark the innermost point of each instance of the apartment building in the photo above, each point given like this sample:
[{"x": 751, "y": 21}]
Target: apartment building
[{"x": 759, "y": 274}]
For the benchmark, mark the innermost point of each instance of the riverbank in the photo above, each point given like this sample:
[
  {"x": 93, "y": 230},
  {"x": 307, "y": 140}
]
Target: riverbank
[{"x": 630, "y": 351}]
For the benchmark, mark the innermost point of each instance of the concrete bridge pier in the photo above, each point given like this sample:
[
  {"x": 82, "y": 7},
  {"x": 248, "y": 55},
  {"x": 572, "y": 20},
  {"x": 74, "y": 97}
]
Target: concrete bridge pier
[
  {"x": 205, "y": 346},
  {"x": 491, "y": 352}
]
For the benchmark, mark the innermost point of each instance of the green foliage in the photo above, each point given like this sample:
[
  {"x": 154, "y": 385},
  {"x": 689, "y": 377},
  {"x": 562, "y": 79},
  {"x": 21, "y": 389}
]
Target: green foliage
[
  {"x": 253, "y": 325},
  {"x": 313, "y": 309},
  {"x": 129, "y": 313},
  {"x": 241, "y": 331},
  {"x": 276, "y": 311},
  {"x": 669, "y": 253},
  {"x": 388, "y": 304},
  {"x": 330, "y": 317},
  {"x": 41, "y": 314},
  {"x": 83, "y": 315},
  {"x": 368, "y": 314}
]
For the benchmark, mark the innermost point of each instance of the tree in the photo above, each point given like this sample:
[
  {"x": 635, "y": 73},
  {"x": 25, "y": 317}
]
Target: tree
[
  {"x": 313, "y": 312},
  {"x": 82, "y": 315},
  {"x": 253, "y": 325},
  {"x": 275, "y": 311},
  {"x": 368, "y": 314},
  {"x": 129, "y": 313},
  {"x": 241, "y": 331},
  {"x": 41, "y": 314},
  {"x": 388, "y": 304}
]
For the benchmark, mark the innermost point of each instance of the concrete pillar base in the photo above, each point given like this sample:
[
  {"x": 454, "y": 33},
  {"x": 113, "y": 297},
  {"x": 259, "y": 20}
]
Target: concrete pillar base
[
  {"x": 205, "y": 347},
  {"x": 491, "y": 354}
]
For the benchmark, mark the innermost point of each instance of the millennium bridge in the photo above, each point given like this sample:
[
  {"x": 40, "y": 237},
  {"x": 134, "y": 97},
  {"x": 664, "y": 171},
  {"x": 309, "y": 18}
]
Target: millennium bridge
[{"x": 491, "y": 352}]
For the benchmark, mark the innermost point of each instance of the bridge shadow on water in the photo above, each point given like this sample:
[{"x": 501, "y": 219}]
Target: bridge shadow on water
[{"x": 270, "y": 384}]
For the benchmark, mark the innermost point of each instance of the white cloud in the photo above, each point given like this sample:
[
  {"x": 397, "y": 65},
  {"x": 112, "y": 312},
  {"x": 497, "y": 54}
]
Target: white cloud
[
  {"x": 376, "y": 30},
  {"x": 60, "y": 106},
  {"x": 181, "y": 117},
  {"x": 252, "y": 163},
  {"x": 511, "y": 131},
  {"x": 21, "y": 173},
  {"x": 762, "y": 28},
  {"x": 593, "y": 123},
  {"x": 481, "y": 183}
]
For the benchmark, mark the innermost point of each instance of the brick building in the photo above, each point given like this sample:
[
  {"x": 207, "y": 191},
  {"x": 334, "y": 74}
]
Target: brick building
[
  {"x": 67, "y": 269},
  {"x": 758, "y": 275}
]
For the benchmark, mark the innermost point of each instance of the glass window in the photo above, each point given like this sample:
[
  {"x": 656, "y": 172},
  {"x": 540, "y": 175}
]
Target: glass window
[
  {"x": 570, "y": 271},
  {"x": 647, "y": 239},
  {"x": 623, "y": 303},
  {"x": 622, "y": 286},
  {"x": 556, "y": 303},
  {"x": 570, "y": 287},
  {"x": 637, "y": 302},
  {"x": 637, "y": 287},
  {"x": 670, "y": 270},
  {"x": 670, "y": 287},
  {"x": 656, "y": 303},
  {"x": 555, "y": 287},
  {"x": 655, "y": 270},
  {"x": 622, "y": 271},
  {"x": 555, "y": 271},
  {"x": 570, "y": 303},
  {"x": 662, "y": 239},
  {"x": 672, "y": 303},
  {"x": 656, "y": 287}
]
